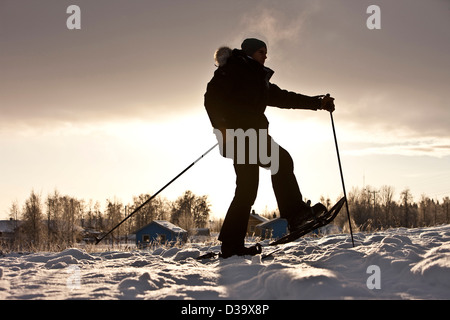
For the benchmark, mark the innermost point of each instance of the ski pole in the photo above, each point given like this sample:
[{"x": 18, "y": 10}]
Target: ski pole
[
  {"x": 153, "y": 196},
  {"x": 342, "y": 177}
]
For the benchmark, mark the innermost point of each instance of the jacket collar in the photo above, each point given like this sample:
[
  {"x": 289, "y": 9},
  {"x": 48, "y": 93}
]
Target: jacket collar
[{"x": 268, "y": 73}]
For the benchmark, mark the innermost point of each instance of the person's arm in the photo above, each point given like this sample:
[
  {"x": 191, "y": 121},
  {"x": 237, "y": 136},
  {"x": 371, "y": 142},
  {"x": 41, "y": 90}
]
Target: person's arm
[{"x": 290, "y": 100}]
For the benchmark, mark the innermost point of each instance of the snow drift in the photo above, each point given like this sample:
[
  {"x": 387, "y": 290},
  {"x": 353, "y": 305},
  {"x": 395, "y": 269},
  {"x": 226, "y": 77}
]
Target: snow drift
[{"x": 392, "y": 264}]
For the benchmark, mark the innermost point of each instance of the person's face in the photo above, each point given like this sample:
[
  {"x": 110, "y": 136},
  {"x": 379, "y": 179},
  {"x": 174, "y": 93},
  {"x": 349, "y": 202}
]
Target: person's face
[{"x": 260, "y": 55}]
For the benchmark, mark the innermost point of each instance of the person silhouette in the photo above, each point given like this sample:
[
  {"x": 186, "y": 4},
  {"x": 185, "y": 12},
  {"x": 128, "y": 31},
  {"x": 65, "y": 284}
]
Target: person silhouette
[{"x": 236, "y": 99}]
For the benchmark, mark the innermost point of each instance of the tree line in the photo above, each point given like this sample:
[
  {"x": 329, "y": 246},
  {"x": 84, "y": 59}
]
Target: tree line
[
  {"x": 59, "y": 221},
  {"x": 374, "y": 209}
]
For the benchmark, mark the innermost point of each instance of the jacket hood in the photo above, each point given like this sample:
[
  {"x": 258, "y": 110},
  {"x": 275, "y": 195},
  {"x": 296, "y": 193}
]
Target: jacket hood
[{"x": 221, "y": 56}]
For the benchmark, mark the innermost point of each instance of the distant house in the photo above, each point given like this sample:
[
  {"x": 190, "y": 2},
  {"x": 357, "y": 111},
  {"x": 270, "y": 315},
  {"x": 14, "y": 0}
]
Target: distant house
[
  {"x": 253, "y": 221},
  {"x": 7, "y": 229},
  {"x": 201, "y": 232},
  {"x": 273, "y": 229},
  {"x": 160, "y": 231}
]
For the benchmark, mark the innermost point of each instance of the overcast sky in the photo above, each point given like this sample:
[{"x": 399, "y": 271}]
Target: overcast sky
[{"x": 116, "y": 108}]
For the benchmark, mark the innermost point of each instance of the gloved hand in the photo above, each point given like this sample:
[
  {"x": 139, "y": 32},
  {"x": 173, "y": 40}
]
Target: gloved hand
[{"x": 327, "y": 103}]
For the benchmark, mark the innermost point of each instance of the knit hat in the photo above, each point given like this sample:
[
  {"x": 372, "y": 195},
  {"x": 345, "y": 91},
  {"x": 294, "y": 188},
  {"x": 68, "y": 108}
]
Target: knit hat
[{"x": 251, "y": 45}]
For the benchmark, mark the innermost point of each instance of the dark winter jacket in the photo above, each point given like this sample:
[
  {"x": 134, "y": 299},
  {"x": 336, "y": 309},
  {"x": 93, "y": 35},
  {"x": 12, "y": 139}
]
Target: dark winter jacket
[{"x": 240, "y": 90}]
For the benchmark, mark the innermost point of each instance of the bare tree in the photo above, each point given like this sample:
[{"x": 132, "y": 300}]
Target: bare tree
[
  {"x": 32, "y": 220},
  {"x": 114, "y": 216},
  {"x": 406, "y": 200},
  {"x": 387, "y": 203},
  {"x": 190, "y": 211}
]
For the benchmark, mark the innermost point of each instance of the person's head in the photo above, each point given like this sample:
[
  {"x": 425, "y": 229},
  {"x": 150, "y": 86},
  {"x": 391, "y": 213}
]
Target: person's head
[{"x": 256, "y": 49}]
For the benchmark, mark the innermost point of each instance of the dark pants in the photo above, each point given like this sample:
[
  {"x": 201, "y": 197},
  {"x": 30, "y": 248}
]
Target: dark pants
[{"x": 286, "y": 189}]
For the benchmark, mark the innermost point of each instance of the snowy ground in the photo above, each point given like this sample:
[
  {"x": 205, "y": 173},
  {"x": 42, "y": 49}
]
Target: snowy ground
[{"x": 393, "y": 264}]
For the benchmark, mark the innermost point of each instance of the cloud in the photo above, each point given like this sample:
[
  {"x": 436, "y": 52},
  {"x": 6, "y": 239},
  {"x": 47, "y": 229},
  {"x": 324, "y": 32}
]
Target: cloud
[
  {"x": 276, "y": 23},
  {"x": 158, "y": 63},
  {"x": 384, "y": 80},
  {"x": 389, "y": 84},
  {"x": 142, "y": 59},
  {"x": 398, "y": 143}
]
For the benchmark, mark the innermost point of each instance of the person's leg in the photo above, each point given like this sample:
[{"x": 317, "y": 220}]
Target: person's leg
[
  {"x": 288, "y": 195},
  {"x": 286, "y": 189},
  {"x": 235, "y": 224}
]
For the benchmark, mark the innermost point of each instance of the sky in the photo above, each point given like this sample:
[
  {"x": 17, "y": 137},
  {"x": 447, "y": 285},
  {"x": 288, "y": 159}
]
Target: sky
[{"x": 115, "y": 109}]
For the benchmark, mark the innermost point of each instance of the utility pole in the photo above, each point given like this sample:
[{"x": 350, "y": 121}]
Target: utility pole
[
  {"x": 374, "y": 198},
  {"x": 374, "y": 201}
]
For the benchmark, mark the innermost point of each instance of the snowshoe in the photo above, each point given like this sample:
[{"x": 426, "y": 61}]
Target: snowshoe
[
  {"x": 315, "y": 222},
  {"x": 208, "y": 255},
  {"x": 228, "y": 252},
  {"x": 241, "y": 251},
  {"x": 308, "y": 213}
]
